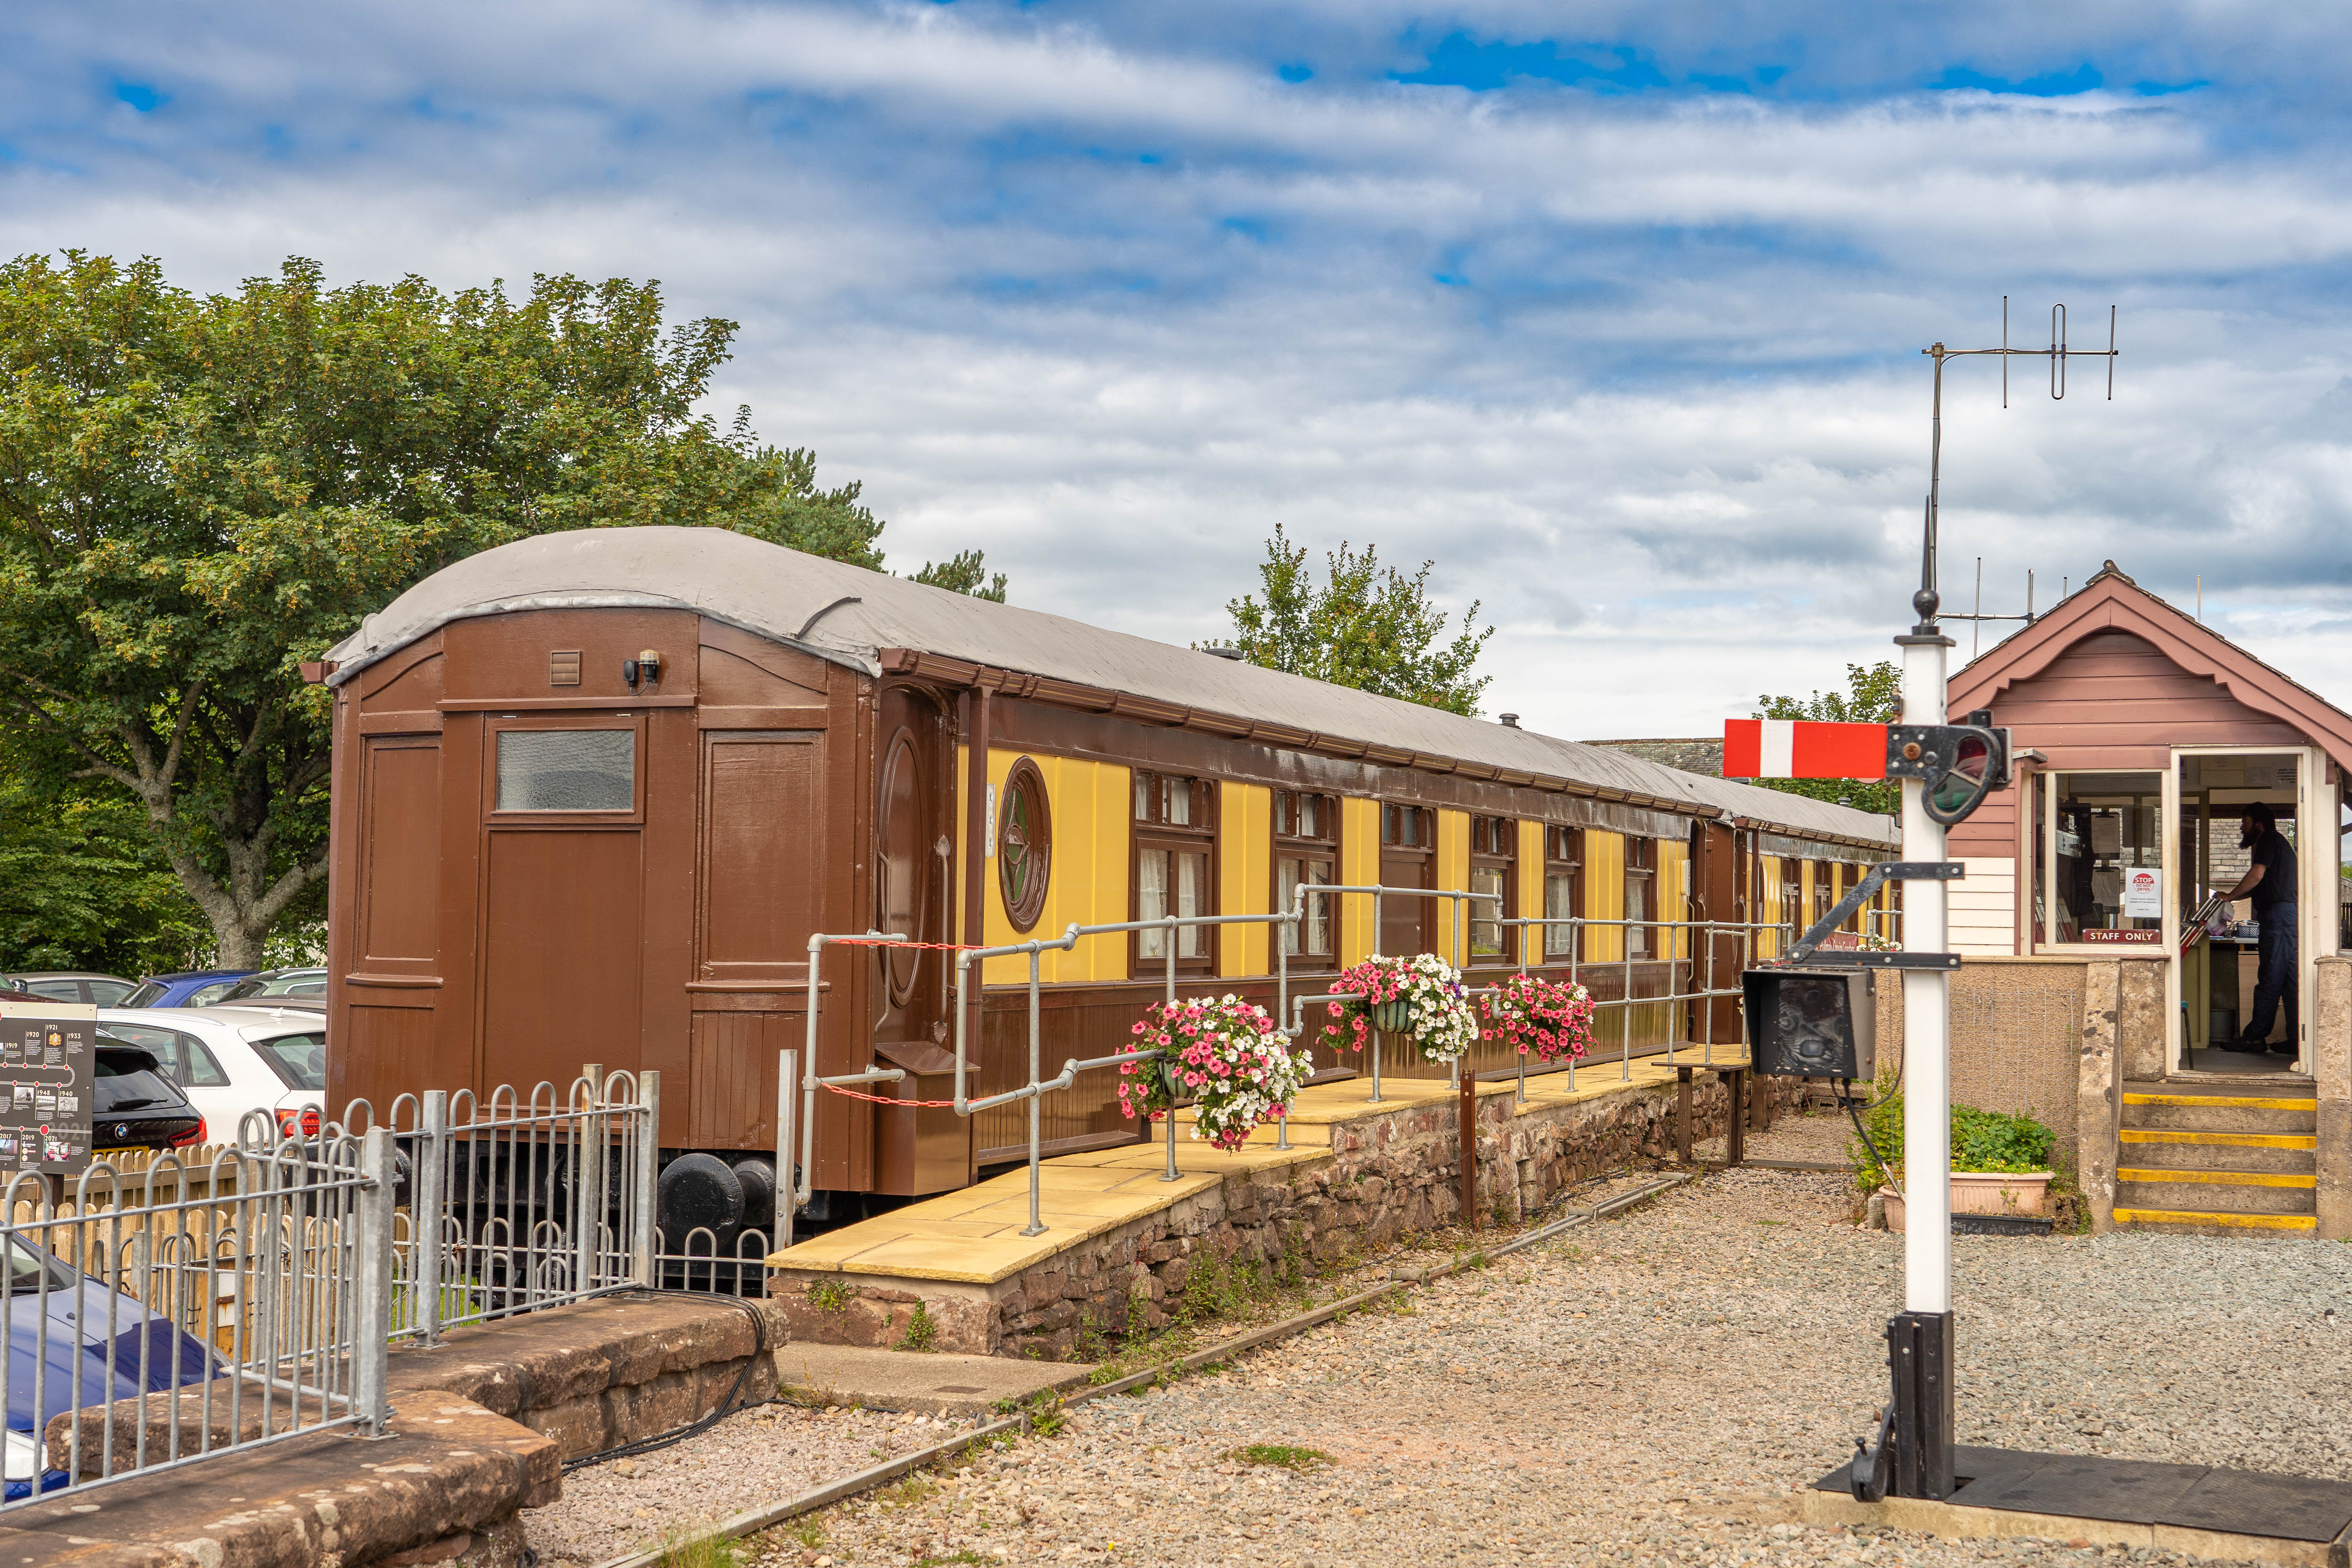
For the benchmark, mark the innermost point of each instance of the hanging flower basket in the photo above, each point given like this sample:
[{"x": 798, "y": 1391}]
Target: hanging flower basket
[
  {"x": 1225, "y": 1055},
  {"x": 1553, "y": 1018},
  {"x": 1422, "y": 997}
]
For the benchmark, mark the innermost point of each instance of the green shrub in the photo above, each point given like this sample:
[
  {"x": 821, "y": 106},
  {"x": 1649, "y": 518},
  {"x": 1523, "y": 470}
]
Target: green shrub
[{"x": 1989, "y": 1140}]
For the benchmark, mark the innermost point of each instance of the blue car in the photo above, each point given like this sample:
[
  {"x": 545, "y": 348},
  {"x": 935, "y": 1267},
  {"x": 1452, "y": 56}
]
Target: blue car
[
  {"x": 190, "y": 988},
  {"x": 38, "y": 1285}
]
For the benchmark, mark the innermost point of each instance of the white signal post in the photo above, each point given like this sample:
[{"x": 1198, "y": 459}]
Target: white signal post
[{"x": 1927, "y": 1044}]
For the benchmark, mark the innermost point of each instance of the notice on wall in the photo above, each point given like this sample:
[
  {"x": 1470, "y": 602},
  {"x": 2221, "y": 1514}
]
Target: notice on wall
[
  {"x": 2144, "y": 893},
  {"x": 48, "y": 1064},
  {"x": 2107, "y": 833}
]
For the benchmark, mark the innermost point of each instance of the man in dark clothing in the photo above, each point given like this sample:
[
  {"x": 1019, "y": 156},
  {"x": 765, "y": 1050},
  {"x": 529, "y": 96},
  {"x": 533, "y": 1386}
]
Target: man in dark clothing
[{"x": 2271, "y": 882}]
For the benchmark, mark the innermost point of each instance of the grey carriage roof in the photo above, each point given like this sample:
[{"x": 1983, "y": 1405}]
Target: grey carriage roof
[{"x": 848, "y": 615}]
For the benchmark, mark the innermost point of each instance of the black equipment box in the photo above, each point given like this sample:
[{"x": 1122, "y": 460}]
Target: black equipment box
[
  {"x": 48, "y": 1064},
  {"x": 1811, "y": 1022}
]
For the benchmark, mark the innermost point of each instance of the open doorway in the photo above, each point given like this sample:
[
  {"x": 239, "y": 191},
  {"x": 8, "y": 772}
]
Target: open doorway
[{"x": 2222, "y": 799}]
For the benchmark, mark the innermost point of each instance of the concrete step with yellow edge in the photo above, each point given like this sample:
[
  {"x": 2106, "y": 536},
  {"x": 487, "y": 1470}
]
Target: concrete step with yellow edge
[
  {"x": 2172, "y": 1149},
  {"x": 2234, "y": 1109},
  {"x": 2216, "y": 1191},
  {"x": 2208, "y": 1222}
]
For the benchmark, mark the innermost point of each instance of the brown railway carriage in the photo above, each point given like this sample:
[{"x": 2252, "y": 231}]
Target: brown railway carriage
[{"x": 595, "y": 790}]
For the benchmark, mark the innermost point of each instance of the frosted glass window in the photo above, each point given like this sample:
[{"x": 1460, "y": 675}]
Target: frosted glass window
[
  {"x": 1313, "y": 935},
  {"x": 1191, "y": 901},
  {"x": 1151, "y": 902},
  {"x": 1560, "y": 904},
  {"x": 1486, "y": 921},
  {"x": 567, "y": 770}
]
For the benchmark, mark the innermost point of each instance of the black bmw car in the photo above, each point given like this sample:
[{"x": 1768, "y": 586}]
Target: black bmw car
[{"x": 137, "y": 1105}]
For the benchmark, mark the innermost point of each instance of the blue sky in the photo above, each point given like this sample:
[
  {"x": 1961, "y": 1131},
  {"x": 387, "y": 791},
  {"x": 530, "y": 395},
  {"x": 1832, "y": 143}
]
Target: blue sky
[{"x": 1613, "y": 312}]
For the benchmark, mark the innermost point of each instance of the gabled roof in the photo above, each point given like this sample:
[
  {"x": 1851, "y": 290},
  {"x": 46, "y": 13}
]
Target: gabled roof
[
  {"x": 2110, "y": 601},
  {"x": 850, "y": 616}
]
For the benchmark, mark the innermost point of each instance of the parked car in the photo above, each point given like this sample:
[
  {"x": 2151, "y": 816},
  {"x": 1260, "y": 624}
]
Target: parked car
[
  {"x": 58, "y": 1317},
  {"x": 188, "y": 988},
  {"x": 228, "y": 1060},
  {"x": 76, "y": 985},
  {"x": 273, "y": 983},
  {"x": 136, "y": 1105}
]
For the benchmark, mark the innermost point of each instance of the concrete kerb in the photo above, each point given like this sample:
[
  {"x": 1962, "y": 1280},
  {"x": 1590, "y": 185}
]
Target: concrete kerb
[
  {"x": 756, "y": 1520},
  {"x": 1950, "y": 1520}
]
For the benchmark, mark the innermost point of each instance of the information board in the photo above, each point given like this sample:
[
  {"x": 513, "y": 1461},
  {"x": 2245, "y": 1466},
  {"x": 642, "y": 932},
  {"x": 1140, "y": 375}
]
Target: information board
[{"x": 48, "y": 1062}]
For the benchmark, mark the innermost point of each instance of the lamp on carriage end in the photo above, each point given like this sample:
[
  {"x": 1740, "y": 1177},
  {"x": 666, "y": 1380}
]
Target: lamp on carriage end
[{"x": 1811, "y": 1022}]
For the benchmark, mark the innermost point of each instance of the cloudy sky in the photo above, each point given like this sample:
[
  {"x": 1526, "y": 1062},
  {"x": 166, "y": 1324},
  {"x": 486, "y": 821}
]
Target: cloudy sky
[{"x": 1612, "y": 311}]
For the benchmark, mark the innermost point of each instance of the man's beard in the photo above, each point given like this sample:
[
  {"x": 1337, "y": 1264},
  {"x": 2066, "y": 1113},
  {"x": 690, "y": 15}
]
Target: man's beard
[{"x": 2247, "y": 834}]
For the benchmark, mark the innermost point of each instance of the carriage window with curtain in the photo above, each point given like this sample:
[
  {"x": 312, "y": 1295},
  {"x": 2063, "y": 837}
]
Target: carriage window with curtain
[
  {"x": 1494, "y": 877},
  {"x": 1641, "y": 895},
  {"x": 1306, "y": 851},
  {"x": 1563, "y": 873},
  {"x": 1175, "y": 846}
]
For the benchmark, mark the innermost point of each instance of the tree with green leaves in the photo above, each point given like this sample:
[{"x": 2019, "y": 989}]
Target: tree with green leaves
[
  {"x": 966, "y": 573},
  {"x": 1365, "y": 625},
  {"x": 1872, "y": 696},
  {"x": 199, "y": 493},
  {"x": 82, "y": 886}
]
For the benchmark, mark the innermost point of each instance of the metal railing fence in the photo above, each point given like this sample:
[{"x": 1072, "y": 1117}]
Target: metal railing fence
[
  {"x": 203, "y": 1309},
  {"x": 798, "y": 1082},
  {"x": 541, "y": 1198}
]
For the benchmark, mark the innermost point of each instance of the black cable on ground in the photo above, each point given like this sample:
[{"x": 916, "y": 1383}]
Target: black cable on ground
[
  {"x": 719, "y": 1412},
  {"x": 1846, "y": 1098}
]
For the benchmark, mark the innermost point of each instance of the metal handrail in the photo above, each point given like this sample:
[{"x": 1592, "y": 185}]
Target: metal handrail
[
  {"x": 1036, "y": 1087},
  {"x": 795, "y": 1175}
]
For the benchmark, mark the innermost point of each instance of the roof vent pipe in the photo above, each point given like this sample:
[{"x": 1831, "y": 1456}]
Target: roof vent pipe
[
  {"x": 1510, "y": 720},
  {"x": 1222, "y": 650}
]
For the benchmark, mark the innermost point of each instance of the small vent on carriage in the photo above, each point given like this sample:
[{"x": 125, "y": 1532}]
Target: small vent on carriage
[{"x": 563, "y": 669}]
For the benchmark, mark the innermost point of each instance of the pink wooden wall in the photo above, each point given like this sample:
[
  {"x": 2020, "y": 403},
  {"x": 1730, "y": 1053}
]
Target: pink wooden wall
[{"x": 2112, "y": 700}]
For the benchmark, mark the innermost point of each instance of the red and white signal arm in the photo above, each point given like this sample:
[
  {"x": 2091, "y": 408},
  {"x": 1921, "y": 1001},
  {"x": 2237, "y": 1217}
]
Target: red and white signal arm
[{"x": 1802, "y": 749}]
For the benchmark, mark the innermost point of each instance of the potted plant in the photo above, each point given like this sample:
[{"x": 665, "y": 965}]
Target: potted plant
[
  {"x": 1225, "y": 1057},
  {"x": 2000, "y": 1162},
  {"x": 1551, "y": 1017},
  {"x": 1422, "y": 997}
]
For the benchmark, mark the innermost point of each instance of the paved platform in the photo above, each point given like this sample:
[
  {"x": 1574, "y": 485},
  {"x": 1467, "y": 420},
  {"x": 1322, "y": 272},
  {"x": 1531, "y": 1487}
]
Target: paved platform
[
  {"x": 1323, "y": 1106},
  {"x": 2201, "y": 1510},
  {"x": 973, "y": 1236}
]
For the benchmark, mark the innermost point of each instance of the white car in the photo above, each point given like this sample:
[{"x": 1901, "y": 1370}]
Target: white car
[{"x": 230, "y": 1060}]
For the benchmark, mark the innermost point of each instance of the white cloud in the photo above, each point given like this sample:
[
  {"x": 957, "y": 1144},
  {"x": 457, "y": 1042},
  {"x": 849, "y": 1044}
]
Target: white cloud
[{"x": 1111, "y": 300}]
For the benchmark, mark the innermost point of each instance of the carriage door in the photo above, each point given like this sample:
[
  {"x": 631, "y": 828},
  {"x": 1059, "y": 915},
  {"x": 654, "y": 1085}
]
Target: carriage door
[
  {"x": 918, "y": 1150},
  {"x": 1713, "y": 887}
]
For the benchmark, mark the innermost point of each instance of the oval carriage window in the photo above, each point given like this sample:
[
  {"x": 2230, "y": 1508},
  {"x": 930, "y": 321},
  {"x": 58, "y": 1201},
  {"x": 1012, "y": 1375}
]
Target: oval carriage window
[
  {"x": 567, "y": 770},
  {"x": 1024, "y": 844}
]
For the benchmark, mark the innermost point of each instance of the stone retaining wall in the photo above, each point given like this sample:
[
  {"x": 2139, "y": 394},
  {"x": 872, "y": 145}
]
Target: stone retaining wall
[
  {"x": 481, "y": 1425},
  {"x": 1387, "y": 1174},
  {"x": 599, "y": 1373}
]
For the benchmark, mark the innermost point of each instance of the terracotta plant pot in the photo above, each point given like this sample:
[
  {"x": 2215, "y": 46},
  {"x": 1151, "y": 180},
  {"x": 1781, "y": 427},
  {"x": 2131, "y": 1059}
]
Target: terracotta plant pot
[
  {"x": 1393, "y": 1017},
  {"x": 1986, "y": 1192}
]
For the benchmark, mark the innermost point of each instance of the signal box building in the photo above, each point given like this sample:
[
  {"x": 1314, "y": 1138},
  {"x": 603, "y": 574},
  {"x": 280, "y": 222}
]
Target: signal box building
[{"x": 2143, "y": 736}]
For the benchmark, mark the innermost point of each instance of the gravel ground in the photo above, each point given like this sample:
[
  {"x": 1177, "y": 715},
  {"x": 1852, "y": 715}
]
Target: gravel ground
[
  {"x": 775, "y": 1451},
  {"x": 1652, "y": 1389},
  {"x": 1824, "y": 1136}
]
